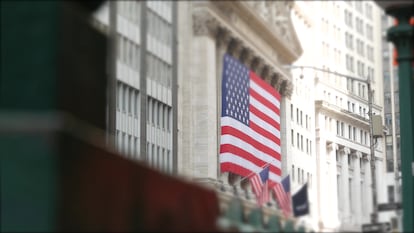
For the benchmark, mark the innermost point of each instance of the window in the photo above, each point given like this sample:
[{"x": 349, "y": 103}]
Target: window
[
  {"x": 292, "y": 134},
  {"x": 137, "y": 104},
  {"x": 154, "y": 111},
  {"x": 354, "y": 133},
  {"x": 131, "y": 103},
  {"x": 291, "y": 112},
  {"x": 303, "y": 177},
  {"x": 297, "y": 140},
  {"x": 338, "y": 128},
  {"x": 297, "y": 116},
  {"x": 299, "y": 175},
  {"x": 119, "y": 96},
  {"x": 149, "y": 106},
  {"x": 293, "y": 172},
  {"x": 301, "y": 142},
  {"x": 306, "y": 119},
  {"x": 350, "y": 195},
  {"x": 337, "y": 156},
  {"x": 391, "y": 197},
  {"x": 125, "y": 98},
  {"x": 301, "y": 121}
]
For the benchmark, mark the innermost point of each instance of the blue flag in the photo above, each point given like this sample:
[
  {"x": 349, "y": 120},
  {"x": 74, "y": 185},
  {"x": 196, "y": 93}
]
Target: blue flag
[{"x": 300, "y": 202}]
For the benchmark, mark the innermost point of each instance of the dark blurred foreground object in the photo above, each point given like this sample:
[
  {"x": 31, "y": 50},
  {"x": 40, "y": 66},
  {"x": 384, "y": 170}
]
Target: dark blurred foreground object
[
  {"x": 56, "y": 174},
  {"x": 402, "y": 36}
]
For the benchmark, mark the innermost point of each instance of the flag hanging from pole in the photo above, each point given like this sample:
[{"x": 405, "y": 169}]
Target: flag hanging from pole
[
  {"x": 259, "y": 182},
  {"x": 300, "y": 201},
  {"x": 282, "y": 193},
  {"x": 250, "y": 123}
]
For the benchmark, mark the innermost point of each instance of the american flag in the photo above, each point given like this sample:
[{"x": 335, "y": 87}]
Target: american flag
[
  {"x": 282, "y": 193},
  {"x": 260, "y": 185},
  {"x": 250, "y": 123}
]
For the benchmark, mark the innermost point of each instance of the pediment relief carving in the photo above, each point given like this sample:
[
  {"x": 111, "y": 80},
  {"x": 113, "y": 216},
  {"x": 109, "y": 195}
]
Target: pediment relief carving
[{"x": 276, "y": 14}]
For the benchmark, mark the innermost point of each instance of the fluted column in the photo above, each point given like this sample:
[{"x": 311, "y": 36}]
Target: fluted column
[
  {"x": 204, "y": 83},
  {"x": 222, "y": 41}
]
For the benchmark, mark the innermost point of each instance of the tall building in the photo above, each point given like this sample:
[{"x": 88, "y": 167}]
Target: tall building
[
  {"x": 347, "y": 40},
  {"x": 144, "y": 45}
]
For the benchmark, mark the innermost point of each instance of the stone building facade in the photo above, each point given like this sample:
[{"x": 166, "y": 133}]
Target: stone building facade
[{"x": 258, "y": 34}]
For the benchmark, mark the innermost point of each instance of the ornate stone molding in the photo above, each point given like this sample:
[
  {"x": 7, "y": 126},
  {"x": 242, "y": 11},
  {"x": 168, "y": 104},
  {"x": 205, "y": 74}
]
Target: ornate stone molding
[
  {"x": 277, "y": 15},
  {"x": 204, "y": 23}
]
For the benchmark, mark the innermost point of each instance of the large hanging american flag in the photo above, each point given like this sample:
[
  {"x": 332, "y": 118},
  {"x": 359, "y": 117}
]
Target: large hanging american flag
[{"x": 250, "y": 123}]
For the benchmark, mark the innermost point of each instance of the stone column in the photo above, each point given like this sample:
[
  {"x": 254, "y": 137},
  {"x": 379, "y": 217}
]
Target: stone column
[
  {"x": 368, "y": 188},
  {"x": 357, "y": 188},
  {"x": 330, "y": 186},
  {"x": 203, "y": 78},
  {"x": 333, "y": 199},
  {"x": 344, "y": 186},
  {"x": 223, "y": 38}
]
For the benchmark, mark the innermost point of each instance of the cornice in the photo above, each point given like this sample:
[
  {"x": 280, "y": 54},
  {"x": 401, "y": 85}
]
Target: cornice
[{"x": 341, "y": 114}]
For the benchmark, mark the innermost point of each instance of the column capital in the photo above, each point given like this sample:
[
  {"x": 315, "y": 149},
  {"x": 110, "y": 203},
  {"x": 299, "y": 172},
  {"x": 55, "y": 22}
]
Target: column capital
[
  {"x": 223, "y": 38},
  {"x": 345, "y": 150},
  {"x": 246, "y": 56},
  {"x": 204, "y": 23},
  {"x": 286, "y": 88},
  {"x": 235, "y": 47}
]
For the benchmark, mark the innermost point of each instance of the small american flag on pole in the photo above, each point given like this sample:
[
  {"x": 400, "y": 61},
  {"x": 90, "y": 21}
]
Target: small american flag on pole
[
  {"x": 282, "y": 193},
  {"x": 260, "y": 185},
  {"x": 250, "y": 123}
]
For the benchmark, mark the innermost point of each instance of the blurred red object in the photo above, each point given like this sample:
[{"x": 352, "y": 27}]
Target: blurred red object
[{"x": 102, "y": 191}]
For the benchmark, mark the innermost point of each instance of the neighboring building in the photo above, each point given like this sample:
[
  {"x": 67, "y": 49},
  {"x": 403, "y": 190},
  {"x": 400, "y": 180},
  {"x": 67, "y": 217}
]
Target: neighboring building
[
  {"x": 346, "y": 39},
  {"x": 392, "y": 122},
  {"x": 145, "y": 47}
]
